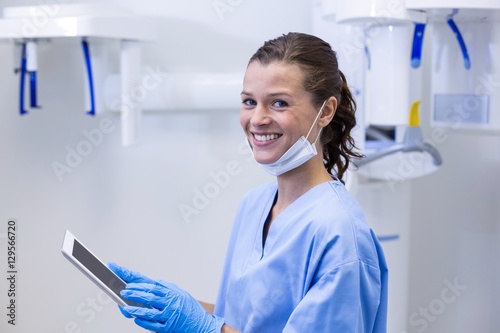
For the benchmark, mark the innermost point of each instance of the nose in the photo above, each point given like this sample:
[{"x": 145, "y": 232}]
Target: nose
[{"x": 260, "y": 116}]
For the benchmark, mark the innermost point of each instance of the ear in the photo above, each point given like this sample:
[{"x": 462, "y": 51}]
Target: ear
[{"x": 328, "y": 112}]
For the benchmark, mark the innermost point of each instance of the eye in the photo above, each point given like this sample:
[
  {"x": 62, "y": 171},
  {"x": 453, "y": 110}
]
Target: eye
[
  {"x": 280, "y": 104},
  {"x": 249, "y": 102}
]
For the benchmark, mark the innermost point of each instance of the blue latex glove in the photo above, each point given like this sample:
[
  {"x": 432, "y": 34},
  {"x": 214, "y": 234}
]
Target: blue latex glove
[
  {"x": 167, "y": 307},
  {"x": 128, "y": 276}
]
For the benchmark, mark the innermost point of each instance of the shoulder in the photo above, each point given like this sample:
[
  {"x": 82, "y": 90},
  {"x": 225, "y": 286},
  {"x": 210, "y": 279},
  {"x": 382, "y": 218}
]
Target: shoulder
[
  {"x": 257, "y": 191},
  {"x": 255, "y": 202},
  {"x": 333, "y": 206},
  {"x": 339, "y": 221},
  {"x": 259, "y": 194}
]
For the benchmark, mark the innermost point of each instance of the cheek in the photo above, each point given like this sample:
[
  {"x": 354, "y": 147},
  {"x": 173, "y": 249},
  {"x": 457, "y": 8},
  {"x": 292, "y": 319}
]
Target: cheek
[{"x": 244, "y": 119}]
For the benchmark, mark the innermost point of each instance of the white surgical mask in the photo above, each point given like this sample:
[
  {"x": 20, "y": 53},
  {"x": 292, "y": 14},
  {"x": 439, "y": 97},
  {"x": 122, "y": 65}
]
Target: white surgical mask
[{"x": 299, "y": 153}]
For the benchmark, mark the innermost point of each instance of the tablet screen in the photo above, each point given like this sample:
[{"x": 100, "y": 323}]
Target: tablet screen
[
  {"x": 95, "y": 269},
  {"x": 98, "y": 268}
]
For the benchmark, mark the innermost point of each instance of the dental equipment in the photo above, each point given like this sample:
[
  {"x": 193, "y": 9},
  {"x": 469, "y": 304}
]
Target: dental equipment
[
  {"x": 412, "y": 142},
  {"x": 100, "y": 21},
  {"x": 418, "y": 38}
]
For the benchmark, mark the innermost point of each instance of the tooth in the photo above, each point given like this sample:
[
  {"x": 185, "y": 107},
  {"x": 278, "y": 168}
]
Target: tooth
[{"x": 266, "y": 137}]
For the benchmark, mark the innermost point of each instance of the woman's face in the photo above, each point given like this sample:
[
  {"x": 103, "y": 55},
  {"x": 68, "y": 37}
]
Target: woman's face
[{"x": 276, "y": 110}]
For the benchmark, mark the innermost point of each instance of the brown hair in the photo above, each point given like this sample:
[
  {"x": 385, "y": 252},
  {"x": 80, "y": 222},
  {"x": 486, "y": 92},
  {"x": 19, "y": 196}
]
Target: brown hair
[{"x": 323, "y": 79}]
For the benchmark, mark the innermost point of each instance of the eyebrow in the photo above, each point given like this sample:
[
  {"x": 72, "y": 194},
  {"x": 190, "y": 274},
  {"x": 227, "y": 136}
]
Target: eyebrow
[{"x": 270, "y": 95}]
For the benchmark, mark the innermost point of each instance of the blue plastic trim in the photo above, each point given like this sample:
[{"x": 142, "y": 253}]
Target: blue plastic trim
[
  {"x": 387, "y": 238},
  {"x": 33, "y": 95},
  {"x": 22, "y": 74},
  {"x": 418, "y": 40},
  {"x": 368, "y": 57},
  {"x": 88, "y": 65},
  {"x": 460, "y": 40}
]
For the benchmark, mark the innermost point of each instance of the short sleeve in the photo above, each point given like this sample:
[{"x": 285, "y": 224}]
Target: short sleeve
[{"x": 346, "y": 300}]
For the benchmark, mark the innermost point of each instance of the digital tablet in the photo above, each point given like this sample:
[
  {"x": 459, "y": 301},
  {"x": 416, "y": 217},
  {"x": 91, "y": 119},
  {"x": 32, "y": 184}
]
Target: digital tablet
[{"x": 94, "y": 269}]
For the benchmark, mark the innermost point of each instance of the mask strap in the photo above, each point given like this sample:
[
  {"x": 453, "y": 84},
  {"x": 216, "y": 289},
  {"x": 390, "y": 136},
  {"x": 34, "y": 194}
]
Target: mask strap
[
  {"x": 317, "y": 136},
  {"x": 319, "y": 113}
]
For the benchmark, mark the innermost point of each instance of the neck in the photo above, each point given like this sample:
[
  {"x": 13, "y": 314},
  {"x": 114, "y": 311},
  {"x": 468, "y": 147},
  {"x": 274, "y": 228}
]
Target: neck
[
  {"x": 294, "y": 183},
  {"x": 298, "y": 181}
]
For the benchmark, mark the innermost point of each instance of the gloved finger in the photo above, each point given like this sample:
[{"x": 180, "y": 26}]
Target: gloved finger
[
  {"x": 160, "y": 288},
  {"x": 128, "y": 275},
  {"x": 167, "y": 293},
  {"x": 125, "y": 313},
  {"x": 144, "y": 313},
  {"x": 170, "y": 285},
  {"x": 153, "y": 325},
  {"x": 158, "y": 302},
  {"x": 155, "y": 289}
]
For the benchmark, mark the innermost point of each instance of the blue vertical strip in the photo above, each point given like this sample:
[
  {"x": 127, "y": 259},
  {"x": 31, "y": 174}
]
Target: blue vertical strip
[
  {"x": 368, "y": 57},
  {"x": 86, "y": 53},
  {"x": 33, "y": 95},
  {"x": 418, "y": 40},
  {"x": 461, "y": 42},
  {"x": 366, "y": 49},
  {"x": 22, "y": 74}
]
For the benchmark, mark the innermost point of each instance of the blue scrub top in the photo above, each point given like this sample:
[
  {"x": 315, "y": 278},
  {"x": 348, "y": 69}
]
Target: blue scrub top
[{"x": 321, "y": 270}]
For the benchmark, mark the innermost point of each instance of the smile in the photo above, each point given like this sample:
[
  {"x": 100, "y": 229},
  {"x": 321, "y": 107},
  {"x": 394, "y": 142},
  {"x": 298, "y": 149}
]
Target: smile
[{"x": 266, "y": 137}]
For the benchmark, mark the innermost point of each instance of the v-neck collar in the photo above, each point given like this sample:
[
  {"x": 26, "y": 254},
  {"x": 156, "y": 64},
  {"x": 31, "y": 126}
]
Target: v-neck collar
[
  {"x": 268, "y": 220},
  {"x": 260, "y": 249},
  {"x": 257, "y": 250}
]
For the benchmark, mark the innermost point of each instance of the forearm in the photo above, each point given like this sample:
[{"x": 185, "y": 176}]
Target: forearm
[
  {"x": 228, "y": 329},
  {"x": 208, "y": 307}
]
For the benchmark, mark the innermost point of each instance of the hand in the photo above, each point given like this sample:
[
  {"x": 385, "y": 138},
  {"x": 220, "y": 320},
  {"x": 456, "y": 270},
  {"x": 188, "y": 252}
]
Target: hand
[
  {"x": 128, "y": 276},
  {"x": 169, "y": 308}
]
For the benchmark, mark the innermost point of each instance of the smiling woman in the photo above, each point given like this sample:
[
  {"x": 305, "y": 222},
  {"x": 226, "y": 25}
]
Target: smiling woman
[
  {"x": 301, "y": 257},
  {"x": 273, "y": 104},
  {"x": 309, "y": 73}
]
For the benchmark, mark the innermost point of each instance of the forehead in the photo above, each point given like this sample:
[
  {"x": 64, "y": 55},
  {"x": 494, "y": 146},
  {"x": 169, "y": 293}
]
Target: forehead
[{"x": 273, "y": 76}]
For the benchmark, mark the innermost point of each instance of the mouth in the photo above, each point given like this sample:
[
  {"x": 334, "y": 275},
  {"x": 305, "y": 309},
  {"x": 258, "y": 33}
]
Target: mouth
[{"x": 266, "y": 137}]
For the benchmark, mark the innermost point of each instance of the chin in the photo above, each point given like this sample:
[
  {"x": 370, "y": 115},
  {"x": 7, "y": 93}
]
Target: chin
[{"x": 265, "y": 160}]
